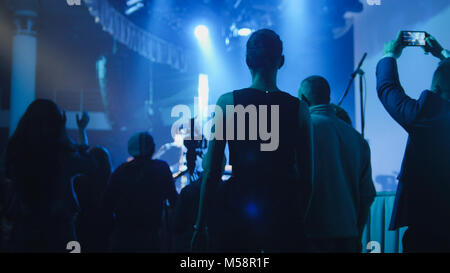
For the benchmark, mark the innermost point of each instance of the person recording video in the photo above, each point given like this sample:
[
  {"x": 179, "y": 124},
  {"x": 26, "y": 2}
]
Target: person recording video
[{"x": 422, "y": 200}]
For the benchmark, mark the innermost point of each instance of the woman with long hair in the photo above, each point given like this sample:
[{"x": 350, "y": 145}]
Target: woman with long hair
[{"x": 40, "y": 162}]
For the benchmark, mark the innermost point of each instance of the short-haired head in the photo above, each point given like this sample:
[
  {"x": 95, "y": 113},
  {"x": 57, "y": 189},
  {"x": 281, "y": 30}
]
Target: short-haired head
[
  {"x": 315, "y": 90},
  {"x": 141, "y": 145},
  {"x": 441, "y": 79},
  {"x": 264, "y": 51}
]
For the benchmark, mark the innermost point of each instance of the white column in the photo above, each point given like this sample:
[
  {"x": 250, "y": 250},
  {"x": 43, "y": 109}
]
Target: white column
[{"x": 23, "y": 71}]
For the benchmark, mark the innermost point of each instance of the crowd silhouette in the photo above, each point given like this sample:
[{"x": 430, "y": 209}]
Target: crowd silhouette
[{"x": 311, "y": 194}]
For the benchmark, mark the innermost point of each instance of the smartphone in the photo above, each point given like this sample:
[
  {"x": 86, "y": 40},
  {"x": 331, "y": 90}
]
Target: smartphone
[{"x": 414, "y": 38}]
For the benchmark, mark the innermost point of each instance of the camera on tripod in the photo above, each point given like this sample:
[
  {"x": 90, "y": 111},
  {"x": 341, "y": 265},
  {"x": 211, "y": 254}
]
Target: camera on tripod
[{"x": 195, "y": 146}]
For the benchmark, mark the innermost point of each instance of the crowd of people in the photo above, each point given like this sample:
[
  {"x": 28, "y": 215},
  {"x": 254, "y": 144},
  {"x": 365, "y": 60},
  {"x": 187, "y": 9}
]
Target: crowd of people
[{"x": 312, "y": 194}]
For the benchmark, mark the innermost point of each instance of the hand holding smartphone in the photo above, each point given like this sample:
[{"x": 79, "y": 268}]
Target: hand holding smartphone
[{"x": 414, "y": 38}]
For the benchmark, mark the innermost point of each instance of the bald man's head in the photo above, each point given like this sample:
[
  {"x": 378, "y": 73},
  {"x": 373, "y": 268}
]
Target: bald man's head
[
  {"x": 315, "y": 90},
  {"x": 441, "y": 80}
]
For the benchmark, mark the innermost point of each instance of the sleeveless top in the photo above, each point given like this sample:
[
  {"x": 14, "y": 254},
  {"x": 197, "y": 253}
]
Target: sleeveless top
[
  {"x": 246, "y": 156},
  {"x": 264, "y": 184}
]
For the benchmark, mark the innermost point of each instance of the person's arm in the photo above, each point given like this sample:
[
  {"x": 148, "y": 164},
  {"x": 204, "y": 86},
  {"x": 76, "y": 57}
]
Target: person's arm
[
  {"x": 172, "y": 194},
  {"x": 433, "y": 46},
  {"x": 400, "y": 106},
  {"x": 212, "y": 166},
  {"x": 367, "y": 190},
  {"x": 305, "y": 155},
  {"x": 82, "y": 123}
]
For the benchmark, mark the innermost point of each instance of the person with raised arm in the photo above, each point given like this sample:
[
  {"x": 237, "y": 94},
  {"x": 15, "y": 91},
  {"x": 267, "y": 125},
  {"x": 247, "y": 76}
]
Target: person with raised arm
[{"x": 422, "y": 200}]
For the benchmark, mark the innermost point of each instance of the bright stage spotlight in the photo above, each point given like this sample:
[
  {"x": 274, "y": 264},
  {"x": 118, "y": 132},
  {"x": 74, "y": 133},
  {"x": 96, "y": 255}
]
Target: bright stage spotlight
[
  {"x": 244, "y": 31},
  {"x": 201, "y": 33}
]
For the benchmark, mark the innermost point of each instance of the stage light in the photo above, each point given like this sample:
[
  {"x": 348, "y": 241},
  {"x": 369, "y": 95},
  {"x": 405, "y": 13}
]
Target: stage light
[
  {"x": 244, "y": 31},
  {"x": 134, "y": 8},
  {"x": 132, "y": 2},
  {"x": 201, "y": 33}
]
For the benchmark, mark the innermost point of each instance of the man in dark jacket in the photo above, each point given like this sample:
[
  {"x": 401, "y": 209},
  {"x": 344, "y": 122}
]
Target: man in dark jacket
[
  {"x": 423, "y": 195},
  {"x": 136, "y": 195}
]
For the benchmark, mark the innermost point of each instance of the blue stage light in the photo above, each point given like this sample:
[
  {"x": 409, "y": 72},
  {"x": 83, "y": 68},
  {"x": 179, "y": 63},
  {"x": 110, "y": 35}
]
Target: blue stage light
[
  {"x": 201, "y": 33},
  {"x": 244, "y": 31},
  {"x": 133, "y": 2},
  {"x": 134, "y": 8}
]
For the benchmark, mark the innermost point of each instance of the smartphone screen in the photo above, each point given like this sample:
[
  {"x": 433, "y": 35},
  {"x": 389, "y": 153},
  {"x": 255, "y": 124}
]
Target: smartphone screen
[{"x": 414, "y": 38}]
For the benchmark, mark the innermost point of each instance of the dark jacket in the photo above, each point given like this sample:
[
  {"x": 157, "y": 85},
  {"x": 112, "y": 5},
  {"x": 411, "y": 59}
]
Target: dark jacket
[
  {"x": 135, "y": 195},
  {"x": 423, "y": 194}
]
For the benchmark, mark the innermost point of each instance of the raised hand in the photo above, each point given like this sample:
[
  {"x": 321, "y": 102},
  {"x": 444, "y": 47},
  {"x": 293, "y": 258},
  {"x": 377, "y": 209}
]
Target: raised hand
[
  {"x": 395, "y": 47},
  {"x": 432, "y": 46},
  {"x": 64, "y": 117},
  {"x": 83, "y": 122}
]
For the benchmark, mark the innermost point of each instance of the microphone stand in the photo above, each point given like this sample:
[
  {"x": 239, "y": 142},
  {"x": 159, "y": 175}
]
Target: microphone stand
[{"x": 359, "y": 72}]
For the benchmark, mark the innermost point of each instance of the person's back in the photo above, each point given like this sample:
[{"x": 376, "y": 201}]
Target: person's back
[
  {"x": 268, "y": 132},
  {"x": 342, "y": 189},
  {"x": 426, "y": 164},
  {"x": 135, "y": 195},
  {"x": 40, "y": 162},
  {"x": 145, "y": 184},
  {"x": 91, "y": 224},
  {"x": 344, "y": 156},
  {"x": 264, "y": 189},
  {"x": 247, "y": 157}
]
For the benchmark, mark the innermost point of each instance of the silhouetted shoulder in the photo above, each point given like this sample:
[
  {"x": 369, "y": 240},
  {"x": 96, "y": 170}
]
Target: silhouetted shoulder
[
  {"x": 225, "y": 99},
  {"x": 121, "y": 167},
  {"x": 290, "y": 98},
  {"x": 249, "y": 92}
]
